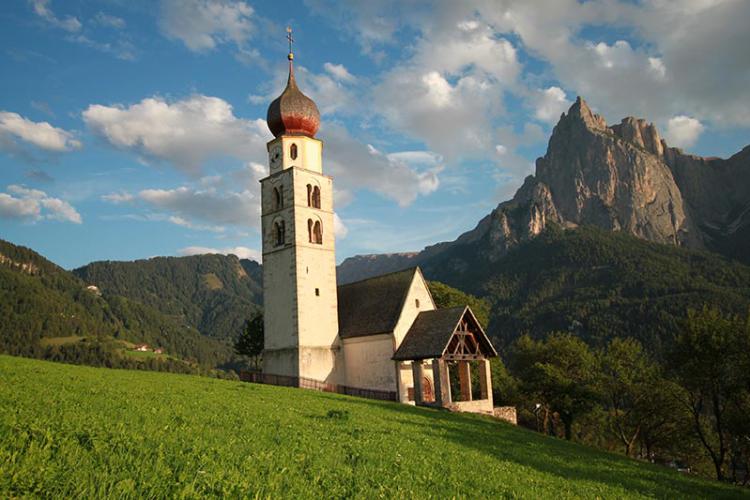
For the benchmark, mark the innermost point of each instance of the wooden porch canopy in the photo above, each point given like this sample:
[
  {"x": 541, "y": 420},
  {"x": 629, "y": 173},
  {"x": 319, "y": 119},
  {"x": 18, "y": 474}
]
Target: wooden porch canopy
[{"x": 449, "y": 334}]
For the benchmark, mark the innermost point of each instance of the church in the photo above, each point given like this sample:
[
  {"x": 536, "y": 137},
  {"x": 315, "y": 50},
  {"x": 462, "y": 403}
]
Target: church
[{"x": 384, "y": 334}]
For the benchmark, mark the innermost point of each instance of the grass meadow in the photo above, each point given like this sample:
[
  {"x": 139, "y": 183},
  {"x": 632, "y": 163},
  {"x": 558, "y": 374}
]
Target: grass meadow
[{"x": 71, "y": 431}]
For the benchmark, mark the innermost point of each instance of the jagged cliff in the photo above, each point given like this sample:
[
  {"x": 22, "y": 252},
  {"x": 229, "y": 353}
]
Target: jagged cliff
[{"x": 623, "y": 177}]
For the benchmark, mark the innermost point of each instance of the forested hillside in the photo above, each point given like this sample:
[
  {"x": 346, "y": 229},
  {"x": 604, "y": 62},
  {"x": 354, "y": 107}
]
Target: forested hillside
[
  {"x": 49, "y": 313},
  {"x": 214, "y": 294},
  {"x": 595, "y": 283}
]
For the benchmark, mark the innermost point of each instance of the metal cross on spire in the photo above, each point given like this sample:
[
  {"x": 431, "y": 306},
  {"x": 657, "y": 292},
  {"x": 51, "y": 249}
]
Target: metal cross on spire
[{"x": 291, "y": 41}]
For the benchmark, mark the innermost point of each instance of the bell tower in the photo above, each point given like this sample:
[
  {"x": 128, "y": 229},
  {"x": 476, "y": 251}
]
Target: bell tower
[{"x": 299, "y": 263}]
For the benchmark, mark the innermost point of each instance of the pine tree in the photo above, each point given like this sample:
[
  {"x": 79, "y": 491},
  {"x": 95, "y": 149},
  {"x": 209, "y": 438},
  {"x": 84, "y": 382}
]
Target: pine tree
[{"x": 250, "y": 341}]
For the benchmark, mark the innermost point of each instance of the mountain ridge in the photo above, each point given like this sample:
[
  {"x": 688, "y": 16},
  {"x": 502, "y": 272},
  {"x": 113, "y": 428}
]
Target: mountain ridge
[{"x": 622, "y": 177}]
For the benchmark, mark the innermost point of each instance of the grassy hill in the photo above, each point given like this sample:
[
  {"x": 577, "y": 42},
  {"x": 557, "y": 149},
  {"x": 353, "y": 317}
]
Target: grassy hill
[
  {"x": 48, "y": 312},
  {"x": 69, "y": 431},
  {"x": 214, "y": 294}
]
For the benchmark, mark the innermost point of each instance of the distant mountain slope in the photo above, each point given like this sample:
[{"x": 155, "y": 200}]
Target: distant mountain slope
[
  {"x": 213, "y": 293},
  {"x": 597, "y": 283},
  {"x": 42, "y": 305}
]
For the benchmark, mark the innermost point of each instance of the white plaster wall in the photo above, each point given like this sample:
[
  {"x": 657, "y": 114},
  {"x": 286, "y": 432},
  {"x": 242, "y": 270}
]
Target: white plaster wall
[
  {"x": 309, "y": 153},
  {"x": 368, "y": 362},
  {"x": 417, "y": 291}
]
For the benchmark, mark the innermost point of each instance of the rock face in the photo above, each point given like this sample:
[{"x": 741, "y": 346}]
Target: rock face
[{"x": 622, "y": 177}]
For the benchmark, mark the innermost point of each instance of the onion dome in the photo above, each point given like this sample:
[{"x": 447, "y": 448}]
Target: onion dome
[{"x": 293, "y": 113}]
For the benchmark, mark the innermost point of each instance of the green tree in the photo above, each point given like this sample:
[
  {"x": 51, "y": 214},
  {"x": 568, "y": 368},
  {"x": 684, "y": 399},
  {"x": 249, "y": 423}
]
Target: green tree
[
  {"x": 446, "y": 296},
  {"x": 709, "y": 359},
  {"x": 560, "y": 372},
  {"x": 634, "y": 394},
  {"x": 250, "y": 342}
]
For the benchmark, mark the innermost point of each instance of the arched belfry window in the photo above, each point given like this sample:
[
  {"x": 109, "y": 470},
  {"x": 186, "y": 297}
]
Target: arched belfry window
[
  {"x": 318, "y": 233},
  {"x": 315, "y": 232},
  {"x": 280, "y": 233},
  {"x": 278, "y": 198},
  {"x": 316, "y": 197},
  {"x": 309, "y": 195},
  {"x": 293, "y": 152}
]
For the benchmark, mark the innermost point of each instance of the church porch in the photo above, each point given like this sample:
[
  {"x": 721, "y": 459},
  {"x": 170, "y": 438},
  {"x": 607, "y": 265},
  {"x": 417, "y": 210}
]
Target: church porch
[{"x": 443, "y": 342}]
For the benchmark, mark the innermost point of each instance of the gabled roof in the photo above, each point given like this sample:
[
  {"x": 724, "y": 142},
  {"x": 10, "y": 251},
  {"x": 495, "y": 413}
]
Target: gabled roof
[
  {"x": 373, "y": 306},
  {"x": 432, "y": 331}
]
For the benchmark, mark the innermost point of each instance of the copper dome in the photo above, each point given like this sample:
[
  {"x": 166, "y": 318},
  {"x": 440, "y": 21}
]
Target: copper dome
[{"x": 293, "y": 113}]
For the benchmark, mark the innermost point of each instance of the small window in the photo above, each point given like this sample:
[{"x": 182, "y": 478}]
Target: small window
[
  {"x": 293, "y": 151},
  {"x": 278, "y": 197},
  {"x": 309, "y": 195},
  {"x": 317, "y": 292},
  {"x": 280, "y": 233},
  {"x": 416, "y": 302}
]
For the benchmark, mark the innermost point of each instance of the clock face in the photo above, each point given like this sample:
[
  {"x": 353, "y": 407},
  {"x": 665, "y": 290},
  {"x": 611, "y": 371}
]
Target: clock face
[{"x": 275, "y": 155}]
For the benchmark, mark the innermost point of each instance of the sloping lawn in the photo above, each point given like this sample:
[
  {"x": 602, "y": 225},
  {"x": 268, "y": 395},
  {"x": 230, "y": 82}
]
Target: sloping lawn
[{"x": 70, "y": 431}]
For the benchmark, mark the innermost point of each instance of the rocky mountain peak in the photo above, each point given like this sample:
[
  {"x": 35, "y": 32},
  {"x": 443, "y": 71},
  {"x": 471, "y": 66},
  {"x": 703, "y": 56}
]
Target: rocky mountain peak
[
  {"x": 580, "y": 112},
  {"x": 641, "y": 133}
]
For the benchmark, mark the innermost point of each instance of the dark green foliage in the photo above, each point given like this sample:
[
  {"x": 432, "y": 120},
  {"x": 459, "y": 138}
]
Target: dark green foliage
[
  {"x": 638, "y": 400},
  {"x": 446, "y": 297},
  {"x": 214, "y": 294},
  {"x": 596, "y": 284},
  {"x": 710, "y": 361},
  {"x": 251, "y": 340},
  {"x": 39, "y": 300},
  {"x": 560, "y": 373}
]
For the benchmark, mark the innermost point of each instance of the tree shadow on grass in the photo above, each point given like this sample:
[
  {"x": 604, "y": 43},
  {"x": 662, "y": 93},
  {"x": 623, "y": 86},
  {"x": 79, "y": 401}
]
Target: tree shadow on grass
[{"x": 570, "y": 461}]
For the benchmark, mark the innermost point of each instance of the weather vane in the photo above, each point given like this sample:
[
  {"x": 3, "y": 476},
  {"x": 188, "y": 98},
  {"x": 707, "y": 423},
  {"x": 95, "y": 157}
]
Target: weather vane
[{"x": 291, "y": 41}]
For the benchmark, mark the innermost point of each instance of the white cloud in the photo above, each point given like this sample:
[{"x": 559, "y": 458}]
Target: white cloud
[
  {"x": 549, "y": 104},
  {"x": 679, "y": 58},
  {"x": 451, "y": 90},
  {"x": 339, "y": 72},
  {"x": 241, "y": 252},
  {"x": 355, "y": 166},
  {"x": 500, "y": 149},
  {"x": 34, "y": 205},
  {"x": 40, "y": 134},
  {"x": 683, "y": 131},
  {"x": 184, "y": 133},
  {"x": 69, "y": 23},
  {"x": 109, "y": 21},
  {"x": 117, "y": 198},
  {"x": 241, "y": 208},
  {"x": 203, "y": 24},
  {"x": 339, "y": 228}
]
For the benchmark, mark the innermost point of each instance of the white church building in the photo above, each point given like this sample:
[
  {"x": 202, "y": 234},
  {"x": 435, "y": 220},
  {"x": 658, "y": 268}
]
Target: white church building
[{"x": 384, "y": 334}]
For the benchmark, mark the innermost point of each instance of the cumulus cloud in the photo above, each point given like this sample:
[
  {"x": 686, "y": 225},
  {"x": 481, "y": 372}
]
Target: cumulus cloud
[
  {"x": 339, "y": 72},
  {"x": 358, "y": 166},
  {"x": 549, "y": 104},
  {"x": 14, "y": 127},
  {"x": 117, "y": 198},
  {"x": 683, "y": 131},
  {"x": 241, "y": 208},
  {"x": 241, "y": 252},
  {"x": 459, "y": 71},
  {"x": 22, "y": 203},
  {"x": 678, "y": 58},
  {"x": 68, "y": 23},
  {"x": 203, "y": 24},
  {"x": 339, "y": 228},
  {"x": 184, "y": 133}
]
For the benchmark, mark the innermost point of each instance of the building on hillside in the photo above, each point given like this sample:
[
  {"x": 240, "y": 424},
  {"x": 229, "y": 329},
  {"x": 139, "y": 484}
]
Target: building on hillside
[{"x": 381, "y": 334}]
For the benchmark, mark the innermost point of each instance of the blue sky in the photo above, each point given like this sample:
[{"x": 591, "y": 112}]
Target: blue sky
[{"x": 130, "y": 129}]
